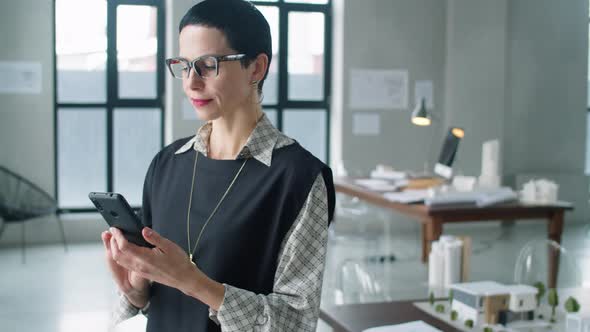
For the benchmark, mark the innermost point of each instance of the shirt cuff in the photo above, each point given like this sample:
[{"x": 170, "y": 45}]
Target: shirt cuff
[
  {"x": 241, "y": 310},
  {"x": 123, "y": 310}
]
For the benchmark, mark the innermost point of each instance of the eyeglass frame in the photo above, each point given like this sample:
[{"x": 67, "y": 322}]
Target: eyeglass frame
[{"x": 191, "y": 64}]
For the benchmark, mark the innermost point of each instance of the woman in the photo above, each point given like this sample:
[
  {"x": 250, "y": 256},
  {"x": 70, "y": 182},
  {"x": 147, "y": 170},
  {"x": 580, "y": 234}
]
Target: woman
[{"x": 238, "y": 214}]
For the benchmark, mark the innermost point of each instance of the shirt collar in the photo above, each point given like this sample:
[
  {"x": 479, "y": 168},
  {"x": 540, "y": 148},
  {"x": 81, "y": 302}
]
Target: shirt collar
[{"x": 260, "y": 143}]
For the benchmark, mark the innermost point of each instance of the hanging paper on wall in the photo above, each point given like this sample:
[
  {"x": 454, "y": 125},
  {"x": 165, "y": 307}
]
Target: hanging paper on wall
[{"x": 372, "y": 89}]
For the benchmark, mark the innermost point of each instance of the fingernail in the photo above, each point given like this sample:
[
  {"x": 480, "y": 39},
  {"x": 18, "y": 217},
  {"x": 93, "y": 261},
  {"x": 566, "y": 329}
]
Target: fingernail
[{"x": 112, "y": 229}]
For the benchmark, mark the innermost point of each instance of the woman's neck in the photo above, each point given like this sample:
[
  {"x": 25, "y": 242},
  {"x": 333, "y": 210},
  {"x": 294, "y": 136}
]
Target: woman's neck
[{"x": 230, "y": 133}]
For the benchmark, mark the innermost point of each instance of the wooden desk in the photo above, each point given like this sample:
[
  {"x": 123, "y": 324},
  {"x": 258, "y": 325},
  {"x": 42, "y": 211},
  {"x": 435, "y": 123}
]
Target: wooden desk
[
  {"x": 358, "y": 317},
  {"x": 433, "y": 219}
]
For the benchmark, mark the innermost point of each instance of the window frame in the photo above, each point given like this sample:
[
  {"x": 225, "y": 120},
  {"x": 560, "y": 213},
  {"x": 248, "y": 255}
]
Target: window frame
[
  {"x": 283, "y": 101},
  {"x": 113, "y": 101}
]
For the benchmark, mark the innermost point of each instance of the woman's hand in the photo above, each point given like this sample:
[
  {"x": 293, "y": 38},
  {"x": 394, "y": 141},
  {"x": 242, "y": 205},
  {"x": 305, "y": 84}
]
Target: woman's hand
[
  {"x": 167, "y": 264},
  {"x": 134, "y": 287}
]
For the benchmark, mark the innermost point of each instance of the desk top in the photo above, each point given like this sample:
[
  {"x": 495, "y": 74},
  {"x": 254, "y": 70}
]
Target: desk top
[
  {"x": 514, "y": 209},
  {"x": 358, "y": 317}
]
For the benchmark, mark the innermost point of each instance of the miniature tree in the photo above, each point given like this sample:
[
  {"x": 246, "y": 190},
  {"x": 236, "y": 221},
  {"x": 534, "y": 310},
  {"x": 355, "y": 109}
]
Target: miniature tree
[
  {"x": 540, "y": 292},
  {"x": 431, "y": 298},
  {"x": 572, "y": 305},
  {"x": 454, "y": 315},
  {"x": 439, "y": 308},
  {"x": 553, "y": 301},
  {"x": 488, "y": 329},
  {"x": 469, "y": 323}
]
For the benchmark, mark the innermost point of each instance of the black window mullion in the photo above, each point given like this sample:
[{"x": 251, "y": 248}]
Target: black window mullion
[
  {"x": 283, "y": 67},
  {"x": 154, "y": 3},
  {"x": 304, "y": 104},
  {"x": 81, "y": 105},
  {"x": 112, "y": 85},
  {"x": 160, "y": 56},
  {"x": 305, "y": 7},
  {"x": 283, "y": 71},
  {"x": 327, "y": 75}
]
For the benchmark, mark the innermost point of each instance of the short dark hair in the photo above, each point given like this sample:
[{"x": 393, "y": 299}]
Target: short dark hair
[{"x": 243, "y": 25}]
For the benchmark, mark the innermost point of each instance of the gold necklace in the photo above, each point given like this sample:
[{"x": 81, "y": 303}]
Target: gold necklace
[{"x": 188, "y": 214}]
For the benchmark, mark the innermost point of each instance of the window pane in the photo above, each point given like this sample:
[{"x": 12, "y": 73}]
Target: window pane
[
  {"x": 137, "y": 137},
  {"x": 309, "y": 1},
  {"x": 271, "y": 114},
  {"x": 308, "y": 127},
  {"x": 82, "y": 155},
  {"x": 80, "y": 47},
  {"x": 306, "y": 56},
  {"x": 271, "y": 84},
  {"x": 137, "y": 44}
]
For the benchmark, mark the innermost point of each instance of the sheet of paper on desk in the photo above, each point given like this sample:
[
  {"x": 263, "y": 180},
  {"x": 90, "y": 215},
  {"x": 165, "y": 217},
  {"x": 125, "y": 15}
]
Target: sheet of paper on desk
[
  {"x": 377, "y": 185},
  {"x": 416, "y": 326},
  {"x": 407, "y": 196}
]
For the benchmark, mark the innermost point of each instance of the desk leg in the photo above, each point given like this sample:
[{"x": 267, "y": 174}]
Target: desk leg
[
  {"x": 431, "y": 231},
  {"x": 554, "y": 230}
]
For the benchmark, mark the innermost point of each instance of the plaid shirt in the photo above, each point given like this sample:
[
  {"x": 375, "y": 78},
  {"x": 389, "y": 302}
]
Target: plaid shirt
[{"x": 294, "y": 303}]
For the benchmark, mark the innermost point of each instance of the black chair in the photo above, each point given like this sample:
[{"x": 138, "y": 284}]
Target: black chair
[{"x": 21, "y": 200}]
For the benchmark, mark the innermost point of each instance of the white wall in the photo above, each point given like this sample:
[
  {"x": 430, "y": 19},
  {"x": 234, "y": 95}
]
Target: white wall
[
  {"x": 401, "y": 34},
  {"x": 508, "y": 69},
  {"x": 513, "y": 69},
  {"x": 516, "y": 71},
  {"x": 26, "y": 121},
  {"x": 177, "y": 126}
]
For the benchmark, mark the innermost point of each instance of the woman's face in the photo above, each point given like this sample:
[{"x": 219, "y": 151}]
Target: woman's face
[{"x": 232, "y": 89}]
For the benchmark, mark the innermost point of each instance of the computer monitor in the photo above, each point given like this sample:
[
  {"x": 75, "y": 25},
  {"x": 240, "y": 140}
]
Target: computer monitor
[{"x": 446, "y": 158}]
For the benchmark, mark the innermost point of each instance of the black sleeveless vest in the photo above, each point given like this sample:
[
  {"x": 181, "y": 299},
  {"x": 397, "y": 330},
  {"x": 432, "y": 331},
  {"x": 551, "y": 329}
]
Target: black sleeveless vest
[{"x": 241, "y": 243}]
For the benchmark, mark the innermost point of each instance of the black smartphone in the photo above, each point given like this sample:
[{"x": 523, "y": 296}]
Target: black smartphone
[{"x": 117, "y": 213}]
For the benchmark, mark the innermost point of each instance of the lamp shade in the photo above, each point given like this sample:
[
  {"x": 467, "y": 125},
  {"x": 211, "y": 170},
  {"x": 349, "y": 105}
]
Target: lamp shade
[
  {"x": 458, "y": 132},
  {"x": 420, "y": 116}
]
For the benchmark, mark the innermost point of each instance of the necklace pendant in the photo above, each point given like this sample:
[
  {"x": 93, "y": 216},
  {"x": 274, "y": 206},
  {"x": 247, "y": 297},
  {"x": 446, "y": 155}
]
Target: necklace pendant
[{"x": 190, "y": 258}]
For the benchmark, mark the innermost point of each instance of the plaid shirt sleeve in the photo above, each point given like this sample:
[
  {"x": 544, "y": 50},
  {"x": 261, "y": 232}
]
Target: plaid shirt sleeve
[{"x": 295, "y": 301}]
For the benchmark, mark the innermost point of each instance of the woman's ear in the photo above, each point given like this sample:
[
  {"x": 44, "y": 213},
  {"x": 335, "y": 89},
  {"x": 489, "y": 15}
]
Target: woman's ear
[{"x": 260, "y": 65}]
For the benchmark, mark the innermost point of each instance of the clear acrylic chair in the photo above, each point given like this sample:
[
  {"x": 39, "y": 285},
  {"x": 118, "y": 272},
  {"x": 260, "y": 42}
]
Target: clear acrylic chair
[
  {"x": 357, "y": 231},
  {"x": 535, "y": 264}
]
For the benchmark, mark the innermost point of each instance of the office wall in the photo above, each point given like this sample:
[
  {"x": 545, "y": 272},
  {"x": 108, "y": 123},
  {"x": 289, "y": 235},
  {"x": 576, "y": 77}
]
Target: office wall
[
  {"x": 516, "y": 71},
  {"x": 546, "y": 133},
  {"x": 475, "y": 87},
  {"x": 179, "y": 123},
  {"x": 26, "y": 120},
  {"x": 401, "y": 34},
  {"x": 512, "y": 70}
]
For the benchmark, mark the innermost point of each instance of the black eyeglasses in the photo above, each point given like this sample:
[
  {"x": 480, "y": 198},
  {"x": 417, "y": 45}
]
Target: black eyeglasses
[{"x": 205, "y": 66}]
